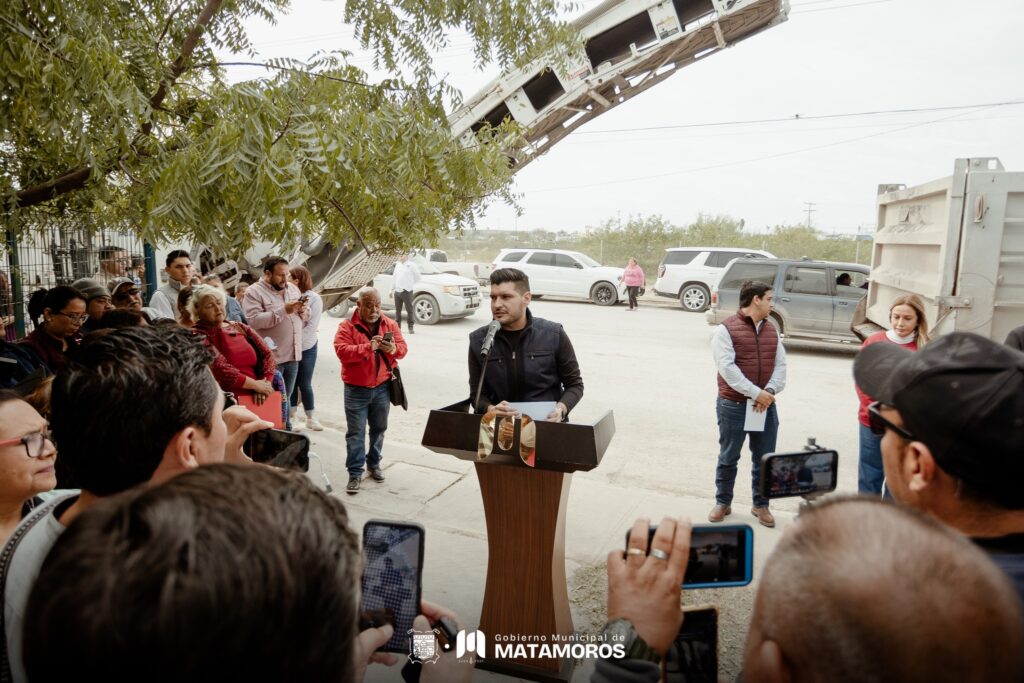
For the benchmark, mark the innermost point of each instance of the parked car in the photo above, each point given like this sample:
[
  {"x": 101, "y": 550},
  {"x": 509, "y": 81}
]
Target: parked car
[
  {"x": 481, "y": 272},
  {"x": 438, "y": 296},
  {"x": 565, "y": 273},
  {"x": 808, "y": 299},
  {"x": 690, "y": 273}
]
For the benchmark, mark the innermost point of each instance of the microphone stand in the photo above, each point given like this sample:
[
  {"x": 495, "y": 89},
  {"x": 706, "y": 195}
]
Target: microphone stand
[{"x": 480, "y": 384}]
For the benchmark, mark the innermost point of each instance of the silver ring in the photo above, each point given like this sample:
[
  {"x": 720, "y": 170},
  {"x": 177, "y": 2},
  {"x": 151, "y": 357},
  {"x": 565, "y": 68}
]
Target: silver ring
[
  {"x": 634, "y": 551},
  {"x": 659, "y": 553}
]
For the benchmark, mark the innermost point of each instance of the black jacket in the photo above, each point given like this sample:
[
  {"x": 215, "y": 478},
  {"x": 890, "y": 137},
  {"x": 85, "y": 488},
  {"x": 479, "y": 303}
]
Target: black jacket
[{"x": 542, "y": 368}]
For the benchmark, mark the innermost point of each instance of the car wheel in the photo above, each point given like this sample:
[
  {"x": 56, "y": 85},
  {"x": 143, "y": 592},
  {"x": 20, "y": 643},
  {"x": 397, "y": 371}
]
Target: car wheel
[
  {"x": 603, "y": 294},
  {"x": 694, "y": 298},
  {"x": 425, "y": 309},
  {"x": 775, "y": 320},
  {"x": 340, "y": 310}
]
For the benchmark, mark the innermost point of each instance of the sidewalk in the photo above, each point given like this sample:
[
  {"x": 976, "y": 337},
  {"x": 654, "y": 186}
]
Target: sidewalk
[{"x": 441, "y": 493}]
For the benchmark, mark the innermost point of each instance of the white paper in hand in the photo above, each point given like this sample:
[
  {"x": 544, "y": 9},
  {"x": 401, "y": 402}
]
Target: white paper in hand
[{"x": 754, "y": 422}]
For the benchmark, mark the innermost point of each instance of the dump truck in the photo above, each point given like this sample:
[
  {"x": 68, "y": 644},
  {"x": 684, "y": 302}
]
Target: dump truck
[{"x": 958, "y": 243}]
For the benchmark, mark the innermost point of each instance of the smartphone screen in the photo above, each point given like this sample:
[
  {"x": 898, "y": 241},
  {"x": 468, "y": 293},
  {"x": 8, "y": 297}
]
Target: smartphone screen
[
  {"x": 720, "y": 556},
  {"x": 388, "y": 336},
  {"x": 279, "y": 448},
  {"x": 392, "y": 573},
  {"x": 797, "y": 474},
  {"x": 693, "y": 657}
]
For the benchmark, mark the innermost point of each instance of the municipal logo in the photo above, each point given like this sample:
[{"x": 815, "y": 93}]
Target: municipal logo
[
  {"x": 423, "y": 646},
  {"x": 470, "y": 642}
]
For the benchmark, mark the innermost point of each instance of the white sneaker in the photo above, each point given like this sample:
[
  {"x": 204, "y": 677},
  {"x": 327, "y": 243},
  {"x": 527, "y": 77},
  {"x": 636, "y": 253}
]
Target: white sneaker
[{"x": 314, "y": 424}]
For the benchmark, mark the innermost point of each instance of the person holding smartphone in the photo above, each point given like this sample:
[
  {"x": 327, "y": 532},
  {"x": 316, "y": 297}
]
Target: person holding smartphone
[{"x": 369, "y": 345}]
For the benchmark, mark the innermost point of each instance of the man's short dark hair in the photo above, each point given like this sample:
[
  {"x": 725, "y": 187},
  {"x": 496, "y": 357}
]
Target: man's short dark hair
[
  {"x": 120, "y": 318},
  {"x": 516, "y": 277},
  {"x": 273, "y": 262},
  {"x": 176, "y": 254},
  {"x": 227, "y": 572},
  {"x": 121, "y": 398},
  {"x": 752, "y": 289},
  {"x": 107, "y": 252}
]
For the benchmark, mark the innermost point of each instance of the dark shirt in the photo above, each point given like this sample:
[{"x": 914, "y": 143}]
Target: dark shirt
[
  {"x": 1016, "y": 338},
  {"x": 1008, "y": 553},
  {"x": 49, "y": 349}
]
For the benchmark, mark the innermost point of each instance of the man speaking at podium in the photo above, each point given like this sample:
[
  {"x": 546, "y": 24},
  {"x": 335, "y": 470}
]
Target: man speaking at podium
[{"x": 530, "y": 359}]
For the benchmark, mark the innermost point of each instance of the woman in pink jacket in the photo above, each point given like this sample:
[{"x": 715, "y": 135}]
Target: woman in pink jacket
[
  {"x": 634, "y": 279},
  {"x": 909, "y": 330}
]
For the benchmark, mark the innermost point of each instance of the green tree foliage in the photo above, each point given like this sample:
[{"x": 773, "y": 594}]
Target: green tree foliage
[
  {"x": 647, "y": 237},
  {"x": 118, "y": 114}
]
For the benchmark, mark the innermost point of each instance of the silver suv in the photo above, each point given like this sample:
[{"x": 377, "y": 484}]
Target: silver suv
[
  {"x": 690, "y": 273},
  {"x": 814, "y": 299}
]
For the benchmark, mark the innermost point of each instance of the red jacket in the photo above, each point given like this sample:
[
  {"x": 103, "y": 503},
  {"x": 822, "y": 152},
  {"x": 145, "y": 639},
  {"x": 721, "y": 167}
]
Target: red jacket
[
  {"x": 229, "y": 377},
  {"x": 865, "y": 400},
  {"x": 360, "y": 366}
]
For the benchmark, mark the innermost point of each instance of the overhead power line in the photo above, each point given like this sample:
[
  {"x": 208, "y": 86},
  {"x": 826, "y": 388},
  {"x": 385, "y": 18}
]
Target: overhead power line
[{"x": 801, "y": 117}]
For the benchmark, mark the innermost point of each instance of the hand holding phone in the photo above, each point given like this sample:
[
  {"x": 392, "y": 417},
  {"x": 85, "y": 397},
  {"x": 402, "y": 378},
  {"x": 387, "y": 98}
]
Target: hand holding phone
[
  {"x": 280, "y": 448},
  {"x": 392, "y": 579},
  {"x": 644, "y": 589},
  {"x": 719, "y": 555}
]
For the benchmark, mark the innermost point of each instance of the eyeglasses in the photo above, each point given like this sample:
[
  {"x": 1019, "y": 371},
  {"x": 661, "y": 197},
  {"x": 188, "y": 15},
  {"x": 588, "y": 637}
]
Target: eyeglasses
[
  {"x": 33, "y": 442},
  {"x": 879, "y": 424},
  {"x": 74, "y": 318}
]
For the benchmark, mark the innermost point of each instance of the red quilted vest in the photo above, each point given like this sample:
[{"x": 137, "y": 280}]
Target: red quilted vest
[{"x": 755, "y": 353}]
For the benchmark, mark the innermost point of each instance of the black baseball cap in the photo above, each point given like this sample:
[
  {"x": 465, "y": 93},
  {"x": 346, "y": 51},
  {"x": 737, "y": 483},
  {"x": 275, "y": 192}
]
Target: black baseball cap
[{"x": 962, "y": 395}]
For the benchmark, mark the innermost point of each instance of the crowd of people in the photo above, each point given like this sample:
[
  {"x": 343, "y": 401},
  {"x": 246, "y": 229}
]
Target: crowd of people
[{"x": 170, "y": 530}]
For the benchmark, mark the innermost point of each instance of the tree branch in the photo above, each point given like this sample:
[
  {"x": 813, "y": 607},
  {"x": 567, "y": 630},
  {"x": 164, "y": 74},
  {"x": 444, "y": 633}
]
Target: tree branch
[
  {"x": 336, "y": 205},
  {"x": 314, "y": 74}
]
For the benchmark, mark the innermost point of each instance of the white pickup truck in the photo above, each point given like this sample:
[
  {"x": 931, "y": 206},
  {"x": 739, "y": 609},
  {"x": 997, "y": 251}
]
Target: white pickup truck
[
  {"x": 481, "y": 272},
  {"x": 438, "y": 296},
  {"x": 955, "y": 242}
]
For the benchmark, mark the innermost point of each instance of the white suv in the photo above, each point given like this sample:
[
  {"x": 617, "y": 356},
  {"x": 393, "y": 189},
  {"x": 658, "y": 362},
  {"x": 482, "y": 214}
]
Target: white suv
[
  {"x": 690, "y": 273},
  {"x": 565, "y": 273}
]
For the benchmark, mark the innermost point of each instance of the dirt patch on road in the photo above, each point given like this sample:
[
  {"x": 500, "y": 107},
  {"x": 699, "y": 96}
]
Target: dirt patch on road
[{"x": 588, "y": 594}]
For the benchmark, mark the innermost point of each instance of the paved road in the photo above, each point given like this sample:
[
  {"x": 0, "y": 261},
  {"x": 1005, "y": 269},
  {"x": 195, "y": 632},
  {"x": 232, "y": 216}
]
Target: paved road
[{"x": 654, "y": 369}]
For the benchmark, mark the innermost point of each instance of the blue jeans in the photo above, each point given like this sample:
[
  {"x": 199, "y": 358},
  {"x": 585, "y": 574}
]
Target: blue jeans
[
  {"x": 731, "y": 416},
  {"x": 870, "y": 473},
  {"x": 304, "y": 381},
  {"x": 289, "y": 371},
  {"x": 365, "y": 405}
]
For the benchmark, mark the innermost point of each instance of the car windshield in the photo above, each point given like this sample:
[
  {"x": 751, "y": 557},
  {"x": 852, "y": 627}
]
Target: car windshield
[
  {"x": 585, "y": 260},
  {"x": 425, "y": 266}
]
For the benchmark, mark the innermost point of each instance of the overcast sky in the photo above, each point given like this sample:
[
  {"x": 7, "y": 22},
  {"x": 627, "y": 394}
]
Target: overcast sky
[{"x": 830, "y": 57}]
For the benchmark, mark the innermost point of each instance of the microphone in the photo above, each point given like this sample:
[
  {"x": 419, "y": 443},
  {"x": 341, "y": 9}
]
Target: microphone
[{"x": 492, "y": 329}]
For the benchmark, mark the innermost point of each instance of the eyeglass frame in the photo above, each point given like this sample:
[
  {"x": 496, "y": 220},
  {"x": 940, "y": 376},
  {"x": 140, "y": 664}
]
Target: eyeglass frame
[
  {"x": 80, "y": 319},
  {"x": 44, "y": 436},
  {"x": 878, "y": 424}
]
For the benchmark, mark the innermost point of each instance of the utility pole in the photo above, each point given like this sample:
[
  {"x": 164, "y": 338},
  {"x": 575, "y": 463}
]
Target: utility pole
[{"x": 810, "y": 209}]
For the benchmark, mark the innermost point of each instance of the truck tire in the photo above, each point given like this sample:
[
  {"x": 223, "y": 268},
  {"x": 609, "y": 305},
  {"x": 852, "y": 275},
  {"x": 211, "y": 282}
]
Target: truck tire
[
  {"x": 694, "y": 298},
  {"x": 340, "y": 310},
  {"x": 425, "y": 309},
  {"x": 603, "y": 294}
]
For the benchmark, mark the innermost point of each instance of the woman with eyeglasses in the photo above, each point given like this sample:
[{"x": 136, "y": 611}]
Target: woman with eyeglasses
[
  {"x": 910, "y": 330},
  {"x": 27, "y": 458},
  {"x": 63, "y": 316}
]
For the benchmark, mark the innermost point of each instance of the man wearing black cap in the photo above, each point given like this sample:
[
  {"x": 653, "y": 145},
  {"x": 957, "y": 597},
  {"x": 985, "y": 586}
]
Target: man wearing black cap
[{"x": 952, "y": 416}]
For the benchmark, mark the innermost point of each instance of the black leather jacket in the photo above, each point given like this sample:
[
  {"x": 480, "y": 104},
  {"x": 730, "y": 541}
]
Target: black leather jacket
[{"x": 542, "y": 368}]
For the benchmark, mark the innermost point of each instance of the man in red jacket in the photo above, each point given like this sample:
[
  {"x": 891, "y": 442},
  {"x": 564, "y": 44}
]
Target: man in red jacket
[
  {"x": 751, "y": 368},
  {"x": 368, "y": 346}
]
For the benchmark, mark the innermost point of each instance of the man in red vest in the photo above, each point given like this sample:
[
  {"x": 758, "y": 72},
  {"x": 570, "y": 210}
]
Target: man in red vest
[{"x": 751, "y": 367}]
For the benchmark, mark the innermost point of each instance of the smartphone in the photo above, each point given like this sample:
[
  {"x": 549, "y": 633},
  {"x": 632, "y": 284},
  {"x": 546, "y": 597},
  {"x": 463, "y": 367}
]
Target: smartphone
[
  {"x": 720, "y": 555},
  {"x": 279, "y": 448},
  {"x": 388, "y": 336},
  {"x": 693, "y": 657},
  {"x": 796, "y": 474},
  {"x": 392, "y": 578}
]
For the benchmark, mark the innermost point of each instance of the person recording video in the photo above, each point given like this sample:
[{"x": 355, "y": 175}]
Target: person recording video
[{"x": 531, "y": 359}]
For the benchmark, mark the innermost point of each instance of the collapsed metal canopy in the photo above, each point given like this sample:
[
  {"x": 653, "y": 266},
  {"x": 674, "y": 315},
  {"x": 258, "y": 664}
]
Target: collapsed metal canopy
[{"x": 631, "y": 45}]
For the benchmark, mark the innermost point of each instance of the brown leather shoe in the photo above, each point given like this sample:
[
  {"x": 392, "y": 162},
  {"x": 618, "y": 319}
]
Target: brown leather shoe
[
  {"x": 719, "y": 512},
  {"x": 763, "y": 516}
]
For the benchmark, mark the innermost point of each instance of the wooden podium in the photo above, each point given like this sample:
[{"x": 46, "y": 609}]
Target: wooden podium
[{"x": 526, "y": 593}]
